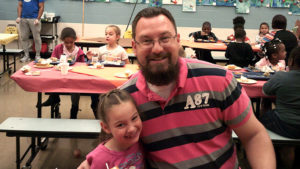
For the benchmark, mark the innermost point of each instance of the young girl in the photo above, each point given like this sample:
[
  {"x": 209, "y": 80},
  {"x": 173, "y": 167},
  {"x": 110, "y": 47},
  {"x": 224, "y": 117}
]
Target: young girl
[
  {"x": 74, "y": 53},
  {"x": 239, "y": 53},
  {"x": 263, "y": 30},
  {"x": 285, "y": 118},
  {"x": 121, "y": 127},
  {"x": 274, "y": 57},
  {"x": 111, "y": 51}
]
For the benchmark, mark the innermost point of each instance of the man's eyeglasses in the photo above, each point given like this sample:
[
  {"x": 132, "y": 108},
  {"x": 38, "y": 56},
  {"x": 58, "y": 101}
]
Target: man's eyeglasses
[{"x": 163, "y": 41}]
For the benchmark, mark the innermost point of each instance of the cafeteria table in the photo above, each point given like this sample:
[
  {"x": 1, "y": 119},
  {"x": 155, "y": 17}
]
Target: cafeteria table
[
  {"x": 100, "y": 41},
  {"x": 4, "y": 40},
  {"x": 80, "y": 79},
  {"x": 218, "y": 46}
]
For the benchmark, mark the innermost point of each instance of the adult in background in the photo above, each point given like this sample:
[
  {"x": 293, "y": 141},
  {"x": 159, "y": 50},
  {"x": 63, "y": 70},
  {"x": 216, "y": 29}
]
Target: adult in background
[
  {"x": 29, "y": 17},
  {"x": 189, "y": 107},
  {"x": 279, "y": 31}
]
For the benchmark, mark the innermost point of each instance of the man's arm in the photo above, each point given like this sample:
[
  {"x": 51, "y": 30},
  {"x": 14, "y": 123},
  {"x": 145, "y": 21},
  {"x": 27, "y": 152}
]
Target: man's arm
[
  {"x": 41, "y": 10},
  {"x": 20, "y": 6},
  {"x": 257, "y": 143}
]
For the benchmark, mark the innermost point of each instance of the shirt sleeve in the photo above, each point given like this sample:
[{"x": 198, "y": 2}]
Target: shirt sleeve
[
  {"x": 214, "y": 36},
  {"x": 272, "y": 85}
]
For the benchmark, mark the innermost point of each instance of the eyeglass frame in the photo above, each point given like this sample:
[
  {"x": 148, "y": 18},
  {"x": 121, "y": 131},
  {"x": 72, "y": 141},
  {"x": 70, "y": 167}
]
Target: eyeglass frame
[{"x": 152, "y": 42}]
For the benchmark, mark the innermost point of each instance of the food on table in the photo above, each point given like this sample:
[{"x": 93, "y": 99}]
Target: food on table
[
  {"x": 267, "y": 74},
  {"x": 35, "y": 73},
  {"x": 99, "y": 66},
  {"x": 53, "y": 59},
  {"x": 128, "y": 73},
  {"x": 25, "y": 69},
  {"x": 231, "y": 67},
  {"x": 42, "y": 63}
]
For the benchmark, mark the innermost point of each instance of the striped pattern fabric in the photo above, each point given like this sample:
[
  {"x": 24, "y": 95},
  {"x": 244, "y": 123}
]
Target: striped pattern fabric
[{"x": 192, "y": 128}]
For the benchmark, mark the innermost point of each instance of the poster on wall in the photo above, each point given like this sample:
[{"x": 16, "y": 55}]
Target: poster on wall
[
  {"x": 132, "y": 1},
  {"x": 242, "y": 6},
  {"x": 280, "y": 3},
  {"x": 225, "y": 2},
  {"x": 155, "y": 3},
  {"x": 172, "y": 2},
  {"x": 206, "y": 2},
  {"x": 263, "y": 3},
  {"x": 189, "y": 5},
  {"x": 295, "y": 8}
]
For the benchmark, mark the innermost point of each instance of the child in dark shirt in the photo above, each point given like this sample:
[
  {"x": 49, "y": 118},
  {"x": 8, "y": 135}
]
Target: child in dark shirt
[
  {"x": 239, "y": 53},
  {"x": 205, "y": 34}
]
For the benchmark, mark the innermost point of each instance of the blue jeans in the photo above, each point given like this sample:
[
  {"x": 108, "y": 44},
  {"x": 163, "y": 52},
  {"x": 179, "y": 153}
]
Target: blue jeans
[{"x": 271, "y": 121}]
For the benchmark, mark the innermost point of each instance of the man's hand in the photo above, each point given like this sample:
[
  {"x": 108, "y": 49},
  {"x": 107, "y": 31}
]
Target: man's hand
[
  {"x": 18, "y": 20},
  {"x": 36, "y": 21},
  {"x": 84, "y": 165}
]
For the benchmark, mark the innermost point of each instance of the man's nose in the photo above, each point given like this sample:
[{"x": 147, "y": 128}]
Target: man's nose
[{"x": 157, "y": 48}]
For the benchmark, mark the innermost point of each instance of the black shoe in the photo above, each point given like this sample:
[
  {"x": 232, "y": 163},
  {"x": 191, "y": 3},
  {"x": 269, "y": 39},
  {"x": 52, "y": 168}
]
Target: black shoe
[{"x": 52, "y": 100}]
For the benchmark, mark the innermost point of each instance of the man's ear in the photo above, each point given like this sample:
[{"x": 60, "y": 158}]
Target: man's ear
[
  {"x": 133, "y": 44},
  {"x": 105, "y": 127}
]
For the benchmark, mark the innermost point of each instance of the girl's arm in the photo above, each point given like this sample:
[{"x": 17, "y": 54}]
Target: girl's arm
[{"x": 80, "y": 56}]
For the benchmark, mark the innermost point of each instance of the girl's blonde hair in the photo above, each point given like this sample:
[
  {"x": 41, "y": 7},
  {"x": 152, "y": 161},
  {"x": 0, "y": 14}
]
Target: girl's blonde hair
[{"x": 107, "y": 101}]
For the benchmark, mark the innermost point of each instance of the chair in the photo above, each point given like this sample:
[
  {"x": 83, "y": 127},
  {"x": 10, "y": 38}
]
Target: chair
[{"x": 11, "y": 29}]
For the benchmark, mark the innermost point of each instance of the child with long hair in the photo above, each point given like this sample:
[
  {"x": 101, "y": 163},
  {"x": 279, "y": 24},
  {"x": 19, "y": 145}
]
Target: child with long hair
[
  {"x": 74, "y": 53},
  {"x": 275, "y": 54},
  {"x": 263, "y": 30},
  {"x": 112, "y": 50},
  {"x": 120, "y": 131}
]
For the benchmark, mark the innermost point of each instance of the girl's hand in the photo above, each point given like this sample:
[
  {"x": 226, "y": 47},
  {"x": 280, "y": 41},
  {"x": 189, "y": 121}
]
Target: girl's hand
[
  {"x": 90, "y": 54},
  {"x": 84, "y": 165}
]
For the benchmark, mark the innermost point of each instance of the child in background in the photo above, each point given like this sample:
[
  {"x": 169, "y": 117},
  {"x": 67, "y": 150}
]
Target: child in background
[
  {"x": 112, "y": 50},
  {"x": 107, "y": 52},
  {"x": 121, "y": 127},
  {"x": 205, "y": 34},
  {"x": 239, "y": 53},
  {"x": 74, "y": 53},
  {"x": 238, "y": 22},
  {"x": 285, "y": 118},
  {"x": 274, "y": 57},
  {"x": 263, "y": 30}
]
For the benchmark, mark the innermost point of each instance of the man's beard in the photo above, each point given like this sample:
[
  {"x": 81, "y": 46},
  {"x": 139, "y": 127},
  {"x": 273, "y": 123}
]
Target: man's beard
[{"x": 160, "y": 77}]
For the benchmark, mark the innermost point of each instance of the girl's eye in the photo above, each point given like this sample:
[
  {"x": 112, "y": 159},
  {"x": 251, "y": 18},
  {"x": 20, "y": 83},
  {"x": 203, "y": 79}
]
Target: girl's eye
[
  {"x": 134, "y": 118},
  {"x": 120, "y": 125}
]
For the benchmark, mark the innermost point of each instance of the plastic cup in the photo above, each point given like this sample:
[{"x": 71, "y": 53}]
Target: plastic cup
[{"x": 64, "y": 68}]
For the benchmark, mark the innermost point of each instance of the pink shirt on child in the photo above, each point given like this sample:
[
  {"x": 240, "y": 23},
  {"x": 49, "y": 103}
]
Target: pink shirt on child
[
  {"x": 101, "y": 155},
  {"x": 265, "y": 62}
]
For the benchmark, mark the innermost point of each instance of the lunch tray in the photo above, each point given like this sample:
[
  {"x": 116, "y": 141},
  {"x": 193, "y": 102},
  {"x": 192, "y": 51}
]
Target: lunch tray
[
  {"x": 122, "y": 64},
  {"x": 254, "y": 75}
]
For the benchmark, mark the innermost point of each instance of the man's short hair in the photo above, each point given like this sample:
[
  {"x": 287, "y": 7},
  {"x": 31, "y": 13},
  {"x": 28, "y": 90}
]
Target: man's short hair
[
  {"x": 149, "y": 13},
  {"x": 240, "y": 33},
  {"x": 279, "y": 22}
]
